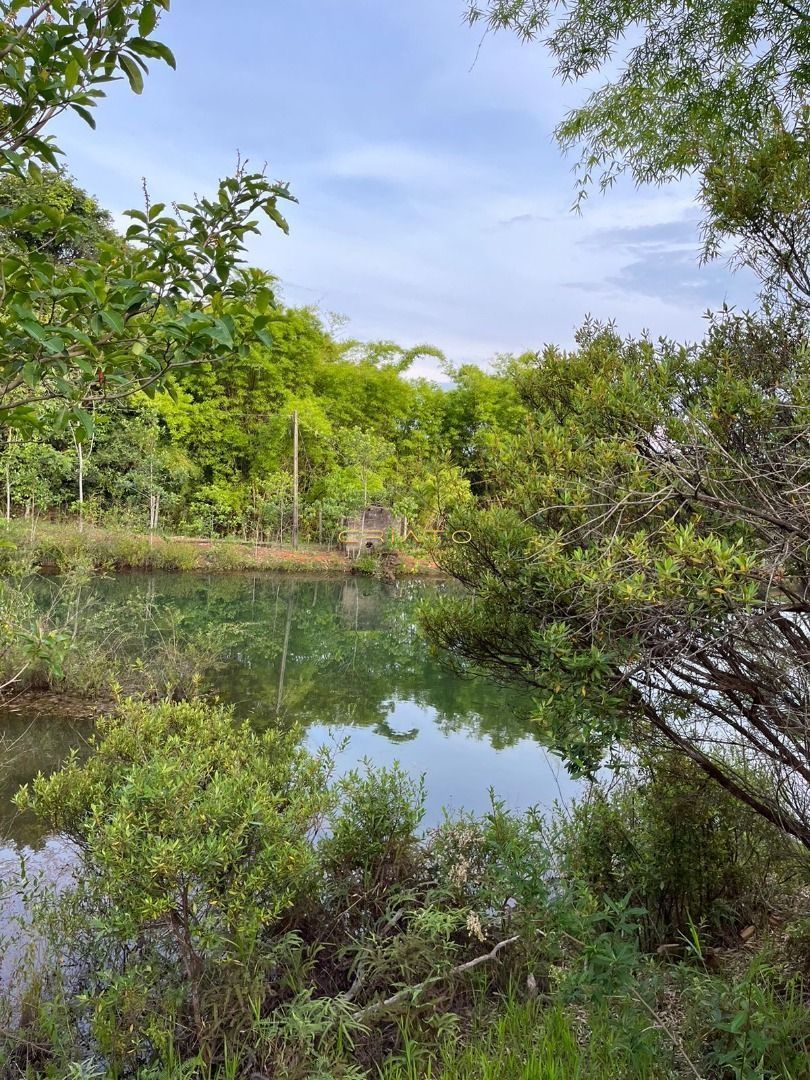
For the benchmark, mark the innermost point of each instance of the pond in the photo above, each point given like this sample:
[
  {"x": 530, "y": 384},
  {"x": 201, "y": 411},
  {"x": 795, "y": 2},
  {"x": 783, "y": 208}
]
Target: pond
[{"x": 339, "y": 657}]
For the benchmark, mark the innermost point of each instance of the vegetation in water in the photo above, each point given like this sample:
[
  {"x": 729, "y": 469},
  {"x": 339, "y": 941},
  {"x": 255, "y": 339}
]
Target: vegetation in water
[{"x": 58, "y": 634}]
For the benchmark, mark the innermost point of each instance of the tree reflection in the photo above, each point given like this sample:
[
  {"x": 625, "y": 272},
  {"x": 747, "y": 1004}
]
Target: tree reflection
[{"x": 336, "y": 653}]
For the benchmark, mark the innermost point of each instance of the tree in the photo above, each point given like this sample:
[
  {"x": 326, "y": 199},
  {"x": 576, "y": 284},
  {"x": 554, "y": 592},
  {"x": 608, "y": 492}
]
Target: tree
[
  {"x": 173, "y": 295},
  {"x": 367, "y": 454},
  {"x": 479, "y": 408},
  {"x": 135, "y": 467},
  {"x": 643, "y": 563},
  {"x": 717, "y": 88},
  {"x": 36, "y": 475},
  {"x": 47, "y": 200}
]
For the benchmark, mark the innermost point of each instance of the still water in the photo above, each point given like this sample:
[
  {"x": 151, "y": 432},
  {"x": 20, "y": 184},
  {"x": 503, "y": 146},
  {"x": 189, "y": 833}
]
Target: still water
[{"x": 341, "y": 658}]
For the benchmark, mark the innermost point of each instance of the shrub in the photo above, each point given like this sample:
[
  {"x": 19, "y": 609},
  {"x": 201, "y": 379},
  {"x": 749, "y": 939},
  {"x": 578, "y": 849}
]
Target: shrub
[
  {"x": 217, "y": 915},
  {"x": 224, "y": 557},
  {"x": 752, "y": 1027},
  {"x": 367, "y": 564},
  {"x": 36, "y": 642},
  {"x": 373, "y": 839},
  {"x": 174, "y": 555},
  {"x": 195, "y": 835},
  {"x": 238, "y": 913},
  {"x": 668, "y": 839}
]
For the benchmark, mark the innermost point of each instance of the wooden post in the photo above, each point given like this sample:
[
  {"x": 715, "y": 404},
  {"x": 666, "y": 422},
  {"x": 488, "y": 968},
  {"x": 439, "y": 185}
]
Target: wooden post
[
  {"x": 8, "y": 475},
  {"x": 80, "y": 455},
  {"x": 295, "y": 481}
]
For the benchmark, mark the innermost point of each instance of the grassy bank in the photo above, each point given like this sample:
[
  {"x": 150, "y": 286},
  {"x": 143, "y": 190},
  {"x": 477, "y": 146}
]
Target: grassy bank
[{"x": 50, "y": 546}]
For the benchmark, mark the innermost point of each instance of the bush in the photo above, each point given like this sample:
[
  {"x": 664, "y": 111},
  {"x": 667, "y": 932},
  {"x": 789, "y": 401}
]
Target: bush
[
  {"x": 753, "y": 1027},
  {"x": 195, "y": 836},
  {"x": 367, "y": 564},
  {"x": 226, "y": 557},
  {"x": 238, "y": 913},
  {"x": 36, "y": 644},
  {"x": 217, "y": 914},
  {"x": 668, "y": 839},
  {"x": 174, "y": 555},
  {"x": 373, "y": 838}
]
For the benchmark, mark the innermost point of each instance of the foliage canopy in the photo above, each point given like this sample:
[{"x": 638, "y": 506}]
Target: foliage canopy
[
  {"x": 94, "y": 328},
  {"x": 717, "y": 88},
  {"x": 643, "y": 560}
]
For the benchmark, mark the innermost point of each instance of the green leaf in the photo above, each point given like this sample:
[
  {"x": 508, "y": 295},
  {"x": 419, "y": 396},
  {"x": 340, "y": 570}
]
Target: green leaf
[
  {"x": 31, "y": 373},
  {"x": 87, "y": 424},
  {"x": 71, "y": 73},
  {"x": 85, "y": 114},
  {"x": 222, "y": 331},
  {"x": 132, "y": 72},
  {"x": 114, "y": 320},
  {"x": 148, "y": 20},
  {"x": 155, "y": 50},
  {"x": 34, "y": 330}
]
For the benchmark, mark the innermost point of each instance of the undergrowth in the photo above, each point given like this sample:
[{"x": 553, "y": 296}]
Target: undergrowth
[
  {"x": 49, "y": 546},
  {"x": 239, "y": 912}
]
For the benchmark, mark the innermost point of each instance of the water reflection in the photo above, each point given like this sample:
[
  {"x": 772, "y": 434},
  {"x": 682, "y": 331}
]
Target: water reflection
[{"x": 339, "y": 657}]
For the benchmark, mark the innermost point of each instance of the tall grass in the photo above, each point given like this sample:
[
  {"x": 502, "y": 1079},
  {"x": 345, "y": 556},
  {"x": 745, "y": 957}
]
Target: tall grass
[
  {"x": 527, "y": 1040},
  {"x": 50, "y": 546}
]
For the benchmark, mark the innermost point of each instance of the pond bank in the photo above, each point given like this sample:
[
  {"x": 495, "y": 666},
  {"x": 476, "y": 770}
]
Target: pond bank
[{"x": 49, "y": 546}]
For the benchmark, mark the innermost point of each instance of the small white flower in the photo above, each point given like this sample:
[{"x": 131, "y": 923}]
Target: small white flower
[{"x": 474, "y": 928}]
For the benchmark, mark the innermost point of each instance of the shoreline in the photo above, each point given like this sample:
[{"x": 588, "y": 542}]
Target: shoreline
[{"x": 50, "y": 546}]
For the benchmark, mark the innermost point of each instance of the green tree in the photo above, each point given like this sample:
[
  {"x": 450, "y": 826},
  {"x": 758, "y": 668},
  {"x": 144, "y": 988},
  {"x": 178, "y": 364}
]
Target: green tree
[
  {"x": 717, "y": 88},
  {"x": 37, "y": 475},
  {"x": 47, "y": 201},
  {"x": 135, "y": 467},
  {"x": 174, "y": 294},
  {"x": 367, "y": 455},
  {"x": 480, "y": 407},
  {"x": 643, "y": 562}
]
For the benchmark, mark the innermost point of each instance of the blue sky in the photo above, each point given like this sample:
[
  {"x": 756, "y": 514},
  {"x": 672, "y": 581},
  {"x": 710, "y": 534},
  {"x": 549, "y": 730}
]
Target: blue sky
[{"x": 434, "y": 205}]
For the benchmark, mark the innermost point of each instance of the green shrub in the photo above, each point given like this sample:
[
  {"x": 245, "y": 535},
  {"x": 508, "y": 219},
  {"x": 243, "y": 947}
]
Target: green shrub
[
  {"x": 233, "y": 901},
  {"x": 195, "y": 835},
  {"x": 239, "y": 913},
  {"x": 373, "y": 839},
  {"x": 119, "y": 550},
  {"x": 228, "y": 557},
  {"x": 366, "y": 564},
  {"x": 174, "y": 555},
  {"x": 797, "y": 939},
  {"x": 36, "y": 644},
  {"x": 669, "y": 839},
  {"x": 755, "y": 1026}
]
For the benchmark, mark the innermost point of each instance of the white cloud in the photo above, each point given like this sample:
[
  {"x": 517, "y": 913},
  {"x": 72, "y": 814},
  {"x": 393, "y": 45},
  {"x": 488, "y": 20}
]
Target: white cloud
[
  {"x": 399, "y": 164},
  {"x": 434, "y": 206}
]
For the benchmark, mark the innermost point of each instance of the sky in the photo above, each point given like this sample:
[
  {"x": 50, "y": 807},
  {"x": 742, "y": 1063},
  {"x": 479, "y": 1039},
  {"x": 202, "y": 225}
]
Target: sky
[{"x": 433, "y": 205}]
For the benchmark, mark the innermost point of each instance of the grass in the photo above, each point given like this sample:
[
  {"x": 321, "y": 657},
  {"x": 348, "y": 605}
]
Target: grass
[
  {"x": 524, "y": 1040},
  {"x": 50, "y": 546}
]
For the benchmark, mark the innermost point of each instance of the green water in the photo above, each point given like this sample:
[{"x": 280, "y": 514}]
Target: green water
[{"x": 340, "y": 657}]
